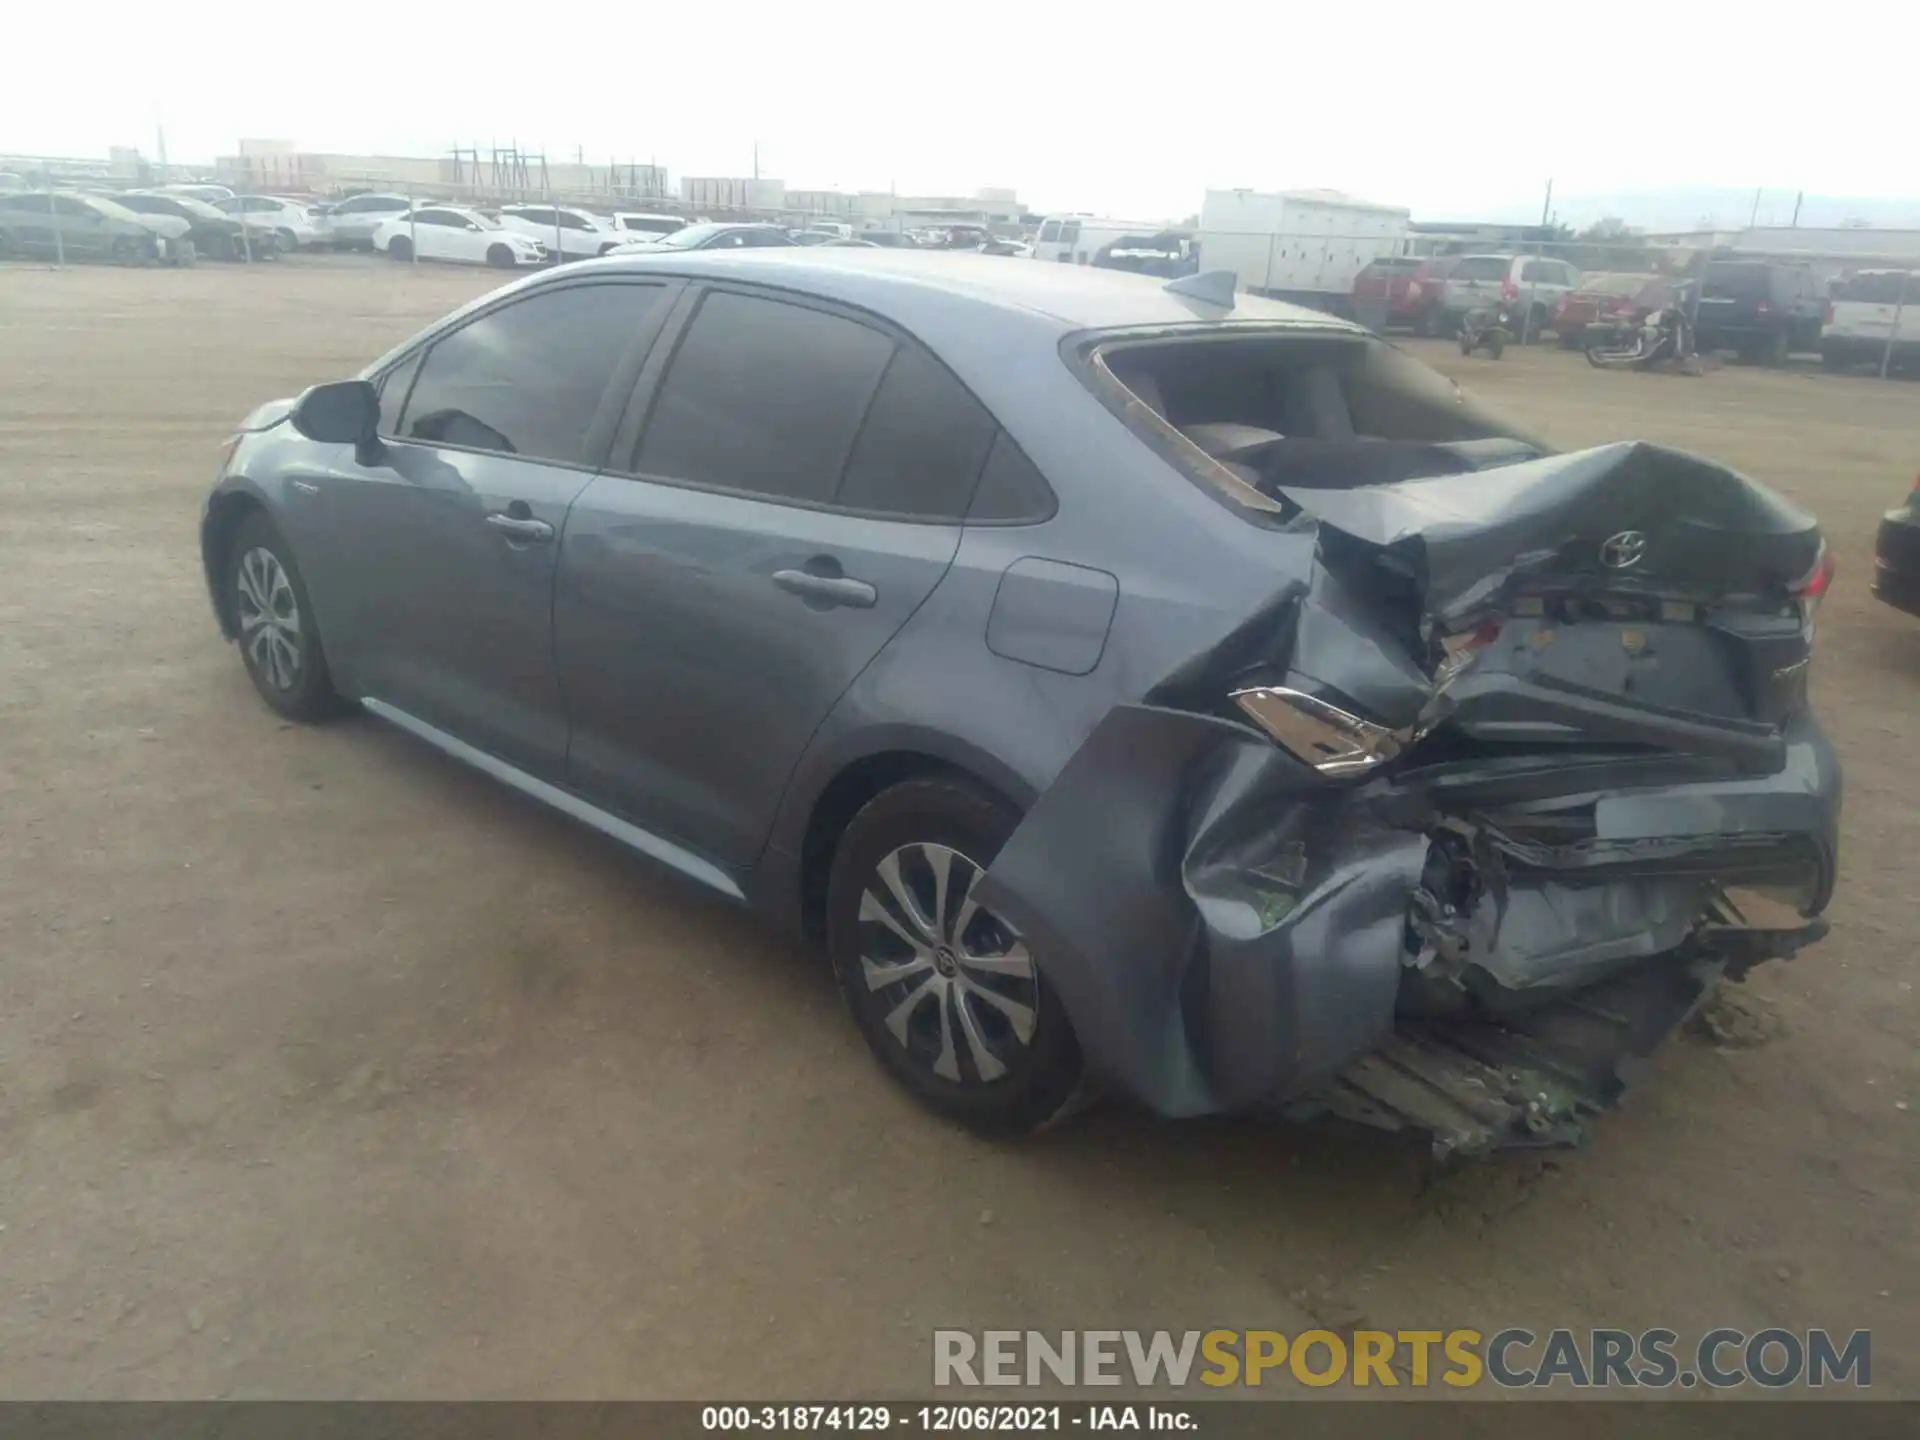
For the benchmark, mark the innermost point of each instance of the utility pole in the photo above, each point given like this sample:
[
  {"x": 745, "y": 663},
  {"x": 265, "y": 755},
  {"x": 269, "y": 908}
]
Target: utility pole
[
  {"x": 1754, "y": 218},
  {"x": 756, "y": 160},
  {"x": 1796, "y": 208},
  {"x": 1546, "y": 206}
]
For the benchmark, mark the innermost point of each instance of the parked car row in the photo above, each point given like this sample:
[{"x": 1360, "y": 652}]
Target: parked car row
[{"x": 1762, "y": 310}]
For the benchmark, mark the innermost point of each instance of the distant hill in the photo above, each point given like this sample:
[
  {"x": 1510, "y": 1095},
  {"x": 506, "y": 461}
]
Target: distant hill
[{"x": 1719, "y": 208}]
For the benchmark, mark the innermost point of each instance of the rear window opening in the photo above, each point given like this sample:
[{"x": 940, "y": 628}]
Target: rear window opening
[
  {"x": 1735, "y": 282},
  {"x": 1316, "y": 411}
]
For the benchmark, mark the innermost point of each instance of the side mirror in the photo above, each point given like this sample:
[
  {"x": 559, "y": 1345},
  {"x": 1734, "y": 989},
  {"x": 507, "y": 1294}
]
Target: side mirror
[{"x": 347, "y": 412}]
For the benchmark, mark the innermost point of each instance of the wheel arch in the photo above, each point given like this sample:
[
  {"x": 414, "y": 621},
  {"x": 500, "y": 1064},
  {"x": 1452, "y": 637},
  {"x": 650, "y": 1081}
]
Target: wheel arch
[
  {"x": 792, "y": 878},
  {"x": 226, "y": 512}
]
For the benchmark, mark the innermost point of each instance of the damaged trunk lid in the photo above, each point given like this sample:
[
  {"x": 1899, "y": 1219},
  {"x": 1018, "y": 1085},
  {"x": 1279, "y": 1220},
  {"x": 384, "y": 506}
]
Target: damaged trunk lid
[{"x": 1464, "y": 822}]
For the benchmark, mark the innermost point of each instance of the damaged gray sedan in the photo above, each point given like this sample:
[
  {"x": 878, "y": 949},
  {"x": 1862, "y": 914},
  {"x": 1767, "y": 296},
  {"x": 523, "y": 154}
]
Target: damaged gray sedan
[{"x": 1133, "y": 686}]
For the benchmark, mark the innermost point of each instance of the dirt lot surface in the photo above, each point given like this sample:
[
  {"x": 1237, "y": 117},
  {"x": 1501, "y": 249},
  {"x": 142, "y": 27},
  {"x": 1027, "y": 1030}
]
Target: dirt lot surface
[{"x": 328, "y": 1068}]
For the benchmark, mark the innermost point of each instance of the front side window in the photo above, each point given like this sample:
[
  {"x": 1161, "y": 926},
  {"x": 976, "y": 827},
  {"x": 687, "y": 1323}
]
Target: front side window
[
  {"x": 1050, "y": 231},
  {"x": 527, "y": 379},
  {"x": 763, "y": 397},
  {"x": 1069, "y": 232}
]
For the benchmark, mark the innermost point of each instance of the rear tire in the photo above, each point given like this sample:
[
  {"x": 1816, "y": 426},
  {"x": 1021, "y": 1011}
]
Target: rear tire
[
  {"x": 287, "y": 241},
  {"x": 400, "y": 248},
  {"x": 1538, "y": 319},
  {"x": 500, "y": 257},
  {"x": 944, "y": 992},
  {"x": 279, "y": 644},
  {"x": 1496, "y": 347},
  {"x": 125, "y": 252}
]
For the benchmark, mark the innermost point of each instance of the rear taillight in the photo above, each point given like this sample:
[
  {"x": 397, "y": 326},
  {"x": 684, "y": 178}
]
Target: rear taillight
[
  {"x": 1819, "y": 580},
  {"x": 1509, "y": 290},
  {"x": 1413, "y": 290},
  {"x": 1826, "y": 315}
]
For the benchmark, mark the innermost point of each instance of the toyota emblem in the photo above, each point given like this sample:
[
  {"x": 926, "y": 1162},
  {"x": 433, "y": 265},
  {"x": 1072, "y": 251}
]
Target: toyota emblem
[{"x": 1623, "y": 551}]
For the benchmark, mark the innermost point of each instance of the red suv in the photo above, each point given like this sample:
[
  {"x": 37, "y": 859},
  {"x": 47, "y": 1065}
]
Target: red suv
[{"x": 1411, "y": 286}]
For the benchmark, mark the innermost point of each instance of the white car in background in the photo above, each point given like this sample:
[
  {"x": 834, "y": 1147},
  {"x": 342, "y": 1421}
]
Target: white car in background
[
  {"x": 578, "y": 234},
  {"x": 642, "y": 225},
  {"x": 353, "y": 220},
  {"x": 296, "y": 224},
  {"x": 1870, "y": 308},
  {"x": 451, "y": 232}
]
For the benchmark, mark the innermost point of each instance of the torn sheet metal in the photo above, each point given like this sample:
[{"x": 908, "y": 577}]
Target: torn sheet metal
[
  {"x": 1467, "y": 536},
  {"x": 1216, "y": 920},
  {"x": 1357, "y": 902}
]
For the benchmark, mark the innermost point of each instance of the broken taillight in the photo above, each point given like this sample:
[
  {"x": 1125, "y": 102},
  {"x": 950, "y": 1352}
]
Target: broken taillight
[{"x": 1819, "y": 580}]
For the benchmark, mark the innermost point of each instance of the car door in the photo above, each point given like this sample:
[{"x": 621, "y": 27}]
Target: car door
[
  {"x": 795, "y": 494},
  {"x": 28, "y": 219},
  {"x": 82, "y": 232},
  {"x": 444, "y": 235},
  {"x": 435, "y": 576}
]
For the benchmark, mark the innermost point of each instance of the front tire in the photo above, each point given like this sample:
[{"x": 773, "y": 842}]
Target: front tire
[
  {"x": 274, "y": 620},
  {"x": 287, "y": 241},
  {"x": 500, "y": 257},
  {"x": 944, "y": 992},
  {"x": 400, "y": 248}
]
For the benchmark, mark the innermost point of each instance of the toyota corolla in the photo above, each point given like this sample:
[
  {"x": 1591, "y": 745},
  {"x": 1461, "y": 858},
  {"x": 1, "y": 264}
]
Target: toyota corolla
[{"x": 1130, "y": 686}]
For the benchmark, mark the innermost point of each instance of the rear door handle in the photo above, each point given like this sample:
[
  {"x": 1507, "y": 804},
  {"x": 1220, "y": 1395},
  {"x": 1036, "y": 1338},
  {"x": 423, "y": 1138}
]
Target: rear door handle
[
  {"x": 828, "y": 589},
  {"x": 522, "y": 529}
]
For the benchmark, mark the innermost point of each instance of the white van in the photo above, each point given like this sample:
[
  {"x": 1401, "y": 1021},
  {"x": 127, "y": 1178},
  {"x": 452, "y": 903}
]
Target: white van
[
  {"x": 1076, "y": 239},
  {"x": 639, "y": 225},
  {"x": 1866, "y": 310}
]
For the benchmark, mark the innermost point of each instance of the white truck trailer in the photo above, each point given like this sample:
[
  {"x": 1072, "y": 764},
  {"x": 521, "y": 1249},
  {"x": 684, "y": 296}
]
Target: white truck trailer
[{"x": 1300, "y": 245}]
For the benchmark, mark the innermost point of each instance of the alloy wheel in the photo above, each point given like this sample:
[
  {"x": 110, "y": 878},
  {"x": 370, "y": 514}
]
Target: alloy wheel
[
  {"x": 269, "y": 618},
  {"x": 954, "y": 982}
]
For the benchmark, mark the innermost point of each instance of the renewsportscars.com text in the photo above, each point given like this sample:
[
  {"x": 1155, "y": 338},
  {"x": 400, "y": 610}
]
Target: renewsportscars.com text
[{"x": 1512, "y": 1358}]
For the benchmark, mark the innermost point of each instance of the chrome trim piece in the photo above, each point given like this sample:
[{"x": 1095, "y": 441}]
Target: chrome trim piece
[
  {"x": 567, "y": 803},
  {"x": 1326, "y": 737}
]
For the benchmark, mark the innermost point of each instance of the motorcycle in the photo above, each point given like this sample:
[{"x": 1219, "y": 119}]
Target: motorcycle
[
  {"x": 1665, "y": 335},
  {"x": 1488, "y": 327}
]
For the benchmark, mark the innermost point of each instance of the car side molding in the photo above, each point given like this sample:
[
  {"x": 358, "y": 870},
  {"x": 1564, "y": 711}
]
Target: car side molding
[{"x": 565, "y": 801}]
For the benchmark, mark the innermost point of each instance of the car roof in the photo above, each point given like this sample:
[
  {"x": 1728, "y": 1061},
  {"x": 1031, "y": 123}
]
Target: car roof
[{"x": 889, "y": 281}]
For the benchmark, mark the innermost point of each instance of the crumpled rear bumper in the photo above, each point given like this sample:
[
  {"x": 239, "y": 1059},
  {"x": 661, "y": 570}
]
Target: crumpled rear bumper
[
  {"x": 1457, "y": 893},
  {"x": 1231, "y": 932}
]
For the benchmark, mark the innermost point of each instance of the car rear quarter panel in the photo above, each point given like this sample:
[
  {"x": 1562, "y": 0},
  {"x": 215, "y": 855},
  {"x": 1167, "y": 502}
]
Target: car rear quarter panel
[{"x": 1187, "y": 569}]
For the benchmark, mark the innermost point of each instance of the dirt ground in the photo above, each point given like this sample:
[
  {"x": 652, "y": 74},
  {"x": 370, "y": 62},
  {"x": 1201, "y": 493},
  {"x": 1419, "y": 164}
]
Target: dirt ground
[{"x": 330, "y": 1069}]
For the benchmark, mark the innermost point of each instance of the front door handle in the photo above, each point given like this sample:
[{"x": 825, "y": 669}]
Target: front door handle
[
  {"x": 521, "y": 529},
  {"x": 827, "y": 589}
]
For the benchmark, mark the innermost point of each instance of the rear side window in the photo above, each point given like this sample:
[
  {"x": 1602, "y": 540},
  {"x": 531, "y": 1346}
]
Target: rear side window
[
  {"x": 922, "y": 446},
  {"x": 1882, "y": 288},
  {"x": 1011, "y": 490},
  {"x": 1069, "y": 232},
  {"x": 1050, "y": 230},
  {"x": 527, "y": 379},
  {"x": 764, "y": 397}
]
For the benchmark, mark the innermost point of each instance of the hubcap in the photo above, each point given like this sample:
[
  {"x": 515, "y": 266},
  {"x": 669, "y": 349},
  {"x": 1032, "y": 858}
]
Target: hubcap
[
  {"x": 956, "y": 980},
  {"x": 269, "y": 618}
]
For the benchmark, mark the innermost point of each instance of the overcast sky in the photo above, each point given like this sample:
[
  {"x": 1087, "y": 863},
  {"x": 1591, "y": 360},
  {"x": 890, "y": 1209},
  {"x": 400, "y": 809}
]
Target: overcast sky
[{"x": 1127, "y": 110}]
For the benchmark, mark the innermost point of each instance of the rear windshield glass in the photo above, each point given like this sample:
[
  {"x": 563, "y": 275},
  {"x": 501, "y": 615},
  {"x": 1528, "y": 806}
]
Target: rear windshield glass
[
  {"x": 1735, "y": 282},
  {"x": 1391, "y": 267},
  {"x": 1480, "y": 267},
  {"x": 1325, "y": 410}
]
